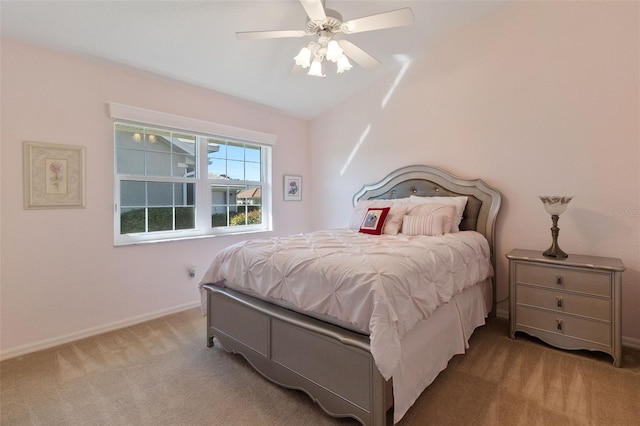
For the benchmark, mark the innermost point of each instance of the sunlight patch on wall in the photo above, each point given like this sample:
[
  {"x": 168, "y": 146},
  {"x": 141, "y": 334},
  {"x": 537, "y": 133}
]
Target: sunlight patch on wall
[
  {"x": 405, "y": 61},
  {"x": 355, "y": 149}
]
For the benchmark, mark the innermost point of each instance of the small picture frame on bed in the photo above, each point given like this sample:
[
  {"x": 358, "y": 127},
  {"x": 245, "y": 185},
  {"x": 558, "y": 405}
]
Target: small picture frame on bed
[{"x": 292, "y": 188}]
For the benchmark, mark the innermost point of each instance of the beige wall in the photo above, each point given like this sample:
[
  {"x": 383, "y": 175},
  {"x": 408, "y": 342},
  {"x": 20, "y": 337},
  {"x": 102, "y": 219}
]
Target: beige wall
[
  {"x": 536, "y": 98},
  {"x": 61, "y": 276}
]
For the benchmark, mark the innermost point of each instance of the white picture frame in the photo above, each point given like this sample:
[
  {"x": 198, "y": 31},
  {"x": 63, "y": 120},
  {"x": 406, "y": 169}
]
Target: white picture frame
[
  {"x": 54, "y": 175},
  {"x": 292, "y": 188}
]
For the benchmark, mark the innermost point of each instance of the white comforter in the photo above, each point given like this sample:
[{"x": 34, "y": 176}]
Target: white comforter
[{"x": 381, "y": 284}]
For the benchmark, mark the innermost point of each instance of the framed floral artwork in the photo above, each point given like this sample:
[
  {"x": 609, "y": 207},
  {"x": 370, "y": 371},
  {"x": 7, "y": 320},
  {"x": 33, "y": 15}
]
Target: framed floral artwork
[
  {"x": 292, "y": 188},
  {"x": 54, "y": 176}
]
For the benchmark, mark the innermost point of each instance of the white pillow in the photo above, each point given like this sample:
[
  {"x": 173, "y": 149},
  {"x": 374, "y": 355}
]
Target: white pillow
[
  {"x": 430, "y": 224},
  {"x": 459, "y": 203},
  {"x": 398, "y": 208},
  {"x": 446, "y": 211}
]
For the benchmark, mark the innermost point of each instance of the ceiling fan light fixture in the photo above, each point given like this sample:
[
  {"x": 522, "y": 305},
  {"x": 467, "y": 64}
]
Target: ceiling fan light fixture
[
  {"x": 316, "y": 68},
  {"x": 344, "y": 64},
  {"x": 304, "y": 57},
  {"x": 334, "y": 51},
  {"x": 325, "y": 24}
]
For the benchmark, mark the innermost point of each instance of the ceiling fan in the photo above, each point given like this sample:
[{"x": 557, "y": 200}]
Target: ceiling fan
[{"x": 326, "y": 25}]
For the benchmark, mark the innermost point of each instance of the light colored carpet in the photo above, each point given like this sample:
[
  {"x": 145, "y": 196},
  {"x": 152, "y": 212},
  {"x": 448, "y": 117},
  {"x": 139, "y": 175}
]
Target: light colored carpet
[{"x": 162, "y": 373}]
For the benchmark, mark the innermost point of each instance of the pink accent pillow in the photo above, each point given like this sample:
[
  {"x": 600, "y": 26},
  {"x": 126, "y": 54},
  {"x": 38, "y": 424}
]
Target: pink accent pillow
[
  {"x": 374, "y": 220},
  {"x": 446, "y": 211},
  {"x": 430, "y": 225},
  {"x": 459, "y": 204}
]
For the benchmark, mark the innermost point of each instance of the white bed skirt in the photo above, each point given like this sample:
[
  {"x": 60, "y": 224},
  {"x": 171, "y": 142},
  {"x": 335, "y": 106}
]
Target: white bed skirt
[{"x": 447, "y": 330}]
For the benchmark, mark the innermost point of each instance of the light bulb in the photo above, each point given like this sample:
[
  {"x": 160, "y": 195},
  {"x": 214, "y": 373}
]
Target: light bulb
[
  {"x": 343, "y": 64},
  {"x": 304, "y": 57}
]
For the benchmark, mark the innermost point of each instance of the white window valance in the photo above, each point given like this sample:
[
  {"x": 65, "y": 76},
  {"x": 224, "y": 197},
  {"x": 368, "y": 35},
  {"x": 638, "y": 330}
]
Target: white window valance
[{"x": 141, "y": 115}]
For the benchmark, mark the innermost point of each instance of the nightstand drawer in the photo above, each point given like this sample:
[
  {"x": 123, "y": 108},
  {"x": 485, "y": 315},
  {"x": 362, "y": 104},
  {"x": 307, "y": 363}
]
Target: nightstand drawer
[
  {"x": 566, "y": 325},
  {"x": 587, "y": 306},
  {"x": 581, "y": 281}
]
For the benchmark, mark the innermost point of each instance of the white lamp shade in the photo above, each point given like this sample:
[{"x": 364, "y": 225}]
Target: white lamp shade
[
  {"x": 555, "y": 205},
  {"x": 334, "y": 51},
  {"x": 343, "y": 64},
  {"x": 304, "y": 58},
  {"x": 316, "y": 69}
]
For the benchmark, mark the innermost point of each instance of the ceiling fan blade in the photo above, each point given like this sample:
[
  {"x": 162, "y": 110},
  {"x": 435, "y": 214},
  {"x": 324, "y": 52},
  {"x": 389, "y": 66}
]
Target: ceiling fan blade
[
  {"x": 257, "y": 35},
  {"x": 315, "y": 10},
  {"x": 394, "y": 18},
  {"x": 358, "y": 55}
]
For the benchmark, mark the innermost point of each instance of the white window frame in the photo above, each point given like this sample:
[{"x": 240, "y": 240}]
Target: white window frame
[{"x": 144, "y": 117}]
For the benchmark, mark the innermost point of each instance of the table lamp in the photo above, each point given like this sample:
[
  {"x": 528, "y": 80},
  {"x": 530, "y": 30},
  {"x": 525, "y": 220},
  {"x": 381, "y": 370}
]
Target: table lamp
[{"x": 555, "y": 205}]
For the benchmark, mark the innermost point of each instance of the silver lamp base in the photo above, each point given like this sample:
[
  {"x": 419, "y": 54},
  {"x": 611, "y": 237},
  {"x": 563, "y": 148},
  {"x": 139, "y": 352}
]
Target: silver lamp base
[{"x": 555, "y": 250}]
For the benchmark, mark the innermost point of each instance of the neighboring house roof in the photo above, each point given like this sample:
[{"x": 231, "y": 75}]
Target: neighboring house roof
[{"x": 250, "y": 193}]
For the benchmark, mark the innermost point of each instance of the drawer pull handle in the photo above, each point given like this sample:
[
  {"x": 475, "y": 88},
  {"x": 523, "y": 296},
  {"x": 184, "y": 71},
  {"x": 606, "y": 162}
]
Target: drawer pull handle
[
  {"x": 559, "y": 279},
  {"x": 559, "y": 299},
  {"x": 559, "y": 321}
]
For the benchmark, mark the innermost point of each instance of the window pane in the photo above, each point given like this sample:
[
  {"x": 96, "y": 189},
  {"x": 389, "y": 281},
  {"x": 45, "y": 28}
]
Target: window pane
[
  {"x": 216, "y": 149},
  {"x": 132, "y": 220},
  {"x": 184, "y": 155},
  {"x": 235, "y": 170},
  {"x": 185, "y": 218},
  {"x": 133, "y": 194},
  {"x": 159, "y": 194},
  {"x": 184, "y": 194},
  {"x": 218, "y": 216},
  {"x": 160, "y": 219},
  {"x": 158, "y": 164},
  {"x": 128, "y": 136},
  {"x": 254, "y": 215},
  {"x": 252, "y": 154},
  {"x": 235, "y": 151},
  {"x": 238, "y": 216},
  {"x": 130, "y": 162},
  {"x": 252, "y": 172},
  {"x": 157, "y": 140},
  {"x": 219, "y": 206},
  {"x": 217, "y": 168}
]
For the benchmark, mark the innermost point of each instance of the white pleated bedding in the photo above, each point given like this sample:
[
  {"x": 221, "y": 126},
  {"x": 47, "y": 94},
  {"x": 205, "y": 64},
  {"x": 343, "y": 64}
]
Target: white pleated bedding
[{"x": 382, "y": 285}]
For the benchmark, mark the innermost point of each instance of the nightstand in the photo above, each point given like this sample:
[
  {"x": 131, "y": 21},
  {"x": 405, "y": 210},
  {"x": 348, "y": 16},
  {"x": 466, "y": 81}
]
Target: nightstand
[{"x": 571, "y": 303}]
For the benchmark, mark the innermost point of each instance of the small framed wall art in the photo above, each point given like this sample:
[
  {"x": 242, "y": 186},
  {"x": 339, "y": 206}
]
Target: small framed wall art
[
  {"x": 54, "y": 176},
  {"x": 293, "y": 188}
]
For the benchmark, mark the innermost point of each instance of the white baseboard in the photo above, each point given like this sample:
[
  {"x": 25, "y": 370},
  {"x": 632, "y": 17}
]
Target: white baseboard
[
  {"x": 89, "y": 332},
  {"x": 626, "y": 341},
  {"x": 631, "y": 342}
]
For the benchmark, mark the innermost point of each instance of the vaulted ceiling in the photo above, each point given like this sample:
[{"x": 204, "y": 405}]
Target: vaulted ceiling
[{"x": 194, "y": 42}]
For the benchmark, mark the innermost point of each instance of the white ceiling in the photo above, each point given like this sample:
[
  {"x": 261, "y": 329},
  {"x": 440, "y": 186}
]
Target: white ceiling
[{"x": 194, "y": 41}]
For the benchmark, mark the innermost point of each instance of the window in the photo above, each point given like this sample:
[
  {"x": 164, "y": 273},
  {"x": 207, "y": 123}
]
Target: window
[{"x": 175, "y": 183}]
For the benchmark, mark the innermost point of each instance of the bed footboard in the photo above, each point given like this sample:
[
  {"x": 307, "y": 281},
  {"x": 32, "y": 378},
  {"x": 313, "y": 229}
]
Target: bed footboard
[{"x": 332, "y": 365}]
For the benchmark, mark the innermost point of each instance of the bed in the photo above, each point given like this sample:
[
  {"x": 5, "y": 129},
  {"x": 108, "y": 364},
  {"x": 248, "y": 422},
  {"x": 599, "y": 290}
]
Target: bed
[{"x": 343, "y": 365}]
